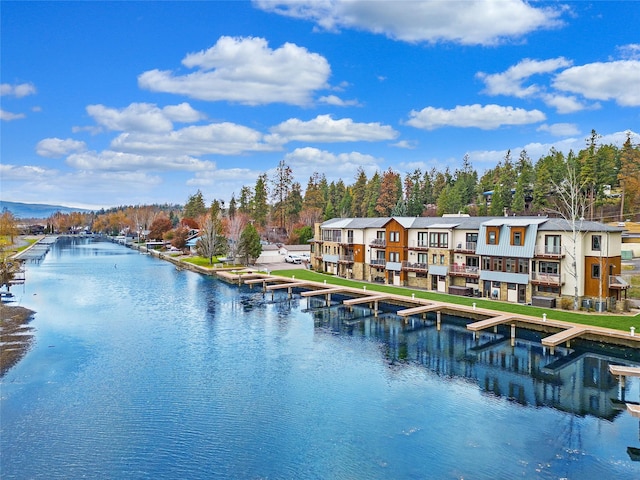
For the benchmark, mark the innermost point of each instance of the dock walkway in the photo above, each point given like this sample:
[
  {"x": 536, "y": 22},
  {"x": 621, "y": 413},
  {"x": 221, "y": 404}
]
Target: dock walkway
[{"x": 559, "y": 331}]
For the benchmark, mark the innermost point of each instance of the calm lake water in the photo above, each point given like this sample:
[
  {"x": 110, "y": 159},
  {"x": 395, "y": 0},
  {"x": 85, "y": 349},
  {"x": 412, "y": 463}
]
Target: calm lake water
[{"x": 143, "y": 371}]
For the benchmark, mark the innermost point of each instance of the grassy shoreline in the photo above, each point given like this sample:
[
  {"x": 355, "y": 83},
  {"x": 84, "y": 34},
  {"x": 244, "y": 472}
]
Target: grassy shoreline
[{"x": 607, "y": 320}]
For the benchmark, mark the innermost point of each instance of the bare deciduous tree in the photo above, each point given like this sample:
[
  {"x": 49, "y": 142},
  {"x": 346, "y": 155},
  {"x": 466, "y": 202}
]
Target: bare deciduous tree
[{"x": 570, "y": 203}]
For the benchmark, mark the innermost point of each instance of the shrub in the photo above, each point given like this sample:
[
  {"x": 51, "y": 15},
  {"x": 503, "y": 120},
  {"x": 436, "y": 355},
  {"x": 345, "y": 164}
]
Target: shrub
[{"x": 566, "y": 303}]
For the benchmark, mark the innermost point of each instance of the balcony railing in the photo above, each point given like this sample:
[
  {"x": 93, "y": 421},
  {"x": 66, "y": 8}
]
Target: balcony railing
[
  {"x": 618, "y": 282},
  {"x": 347, "y": 241},
  {"x": 549, "y": 251},
  {"x": 378, "y": 243},
  {"x": 546, "y": 278},
  {"x": 464, "y": 270},
  {"x": 378, "y": 262},
  {"x": 466, "y": 247},
  {"x": 415, "y": 266},
  {"x": 418, "y": 245},
  {"x": 346, "y": 259}
]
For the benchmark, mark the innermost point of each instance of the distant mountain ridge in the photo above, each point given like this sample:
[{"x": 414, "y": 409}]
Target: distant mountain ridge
[{"x": 36, "y": 210}]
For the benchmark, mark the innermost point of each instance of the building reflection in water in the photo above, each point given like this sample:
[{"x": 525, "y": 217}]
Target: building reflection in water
[{"x": 575, "y": 380}]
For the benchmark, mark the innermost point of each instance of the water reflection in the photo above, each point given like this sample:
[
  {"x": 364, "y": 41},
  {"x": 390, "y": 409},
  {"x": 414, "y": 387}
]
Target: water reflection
[{"x": 575, "y": 380}]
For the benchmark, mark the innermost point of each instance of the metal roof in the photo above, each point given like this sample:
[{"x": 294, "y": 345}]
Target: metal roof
[
  {"x": 470, "y": 223},
  {"x": 504, "y": 247},
  {"x": 564, "y": 225}
]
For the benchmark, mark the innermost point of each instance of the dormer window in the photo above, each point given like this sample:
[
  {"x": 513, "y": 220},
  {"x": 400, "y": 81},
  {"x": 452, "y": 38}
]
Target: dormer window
[
  {"x": 517, "y": 236},
  {"x": 517, "y": 239},
  {"x": 492, "y": 235}
]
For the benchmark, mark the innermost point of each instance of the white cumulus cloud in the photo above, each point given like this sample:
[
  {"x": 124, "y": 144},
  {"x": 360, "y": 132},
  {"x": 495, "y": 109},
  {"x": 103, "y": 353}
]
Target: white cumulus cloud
[
  {"x": 143, "y": 117},
  {"x": 128, "y": 162},
  {"x": 8, "y": 116},
  {"x": 485, "y": 117},
  {"x": 510, "y": 81},
  {"x": 217, "y": 138},
  {"x": 57, "y": 148},
  {"x": 324, "y": 129},
  {"x": 18, "y": 91},
  {"x": 307, "y": 160},
  {"x": 617, "y": 80},
  {"x": 247, "y": 71},
  {"x": 560, "y": 129},
  {"x": 470, "y": 22}
]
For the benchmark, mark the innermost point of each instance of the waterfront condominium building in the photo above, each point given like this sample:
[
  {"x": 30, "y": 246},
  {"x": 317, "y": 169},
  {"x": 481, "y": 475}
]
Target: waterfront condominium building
[{"x": 517, "y": 259}]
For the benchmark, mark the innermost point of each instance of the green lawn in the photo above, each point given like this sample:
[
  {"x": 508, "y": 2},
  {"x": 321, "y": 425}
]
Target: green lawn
[
  {"x": 618, "y": 322},
  {"x": 201, "y": 261}
]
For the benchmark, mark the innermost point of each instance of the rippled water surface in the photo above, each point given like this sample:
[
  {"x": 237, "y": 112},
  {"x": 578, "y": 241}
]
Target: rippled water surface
[{"x": 143, "y": 371}]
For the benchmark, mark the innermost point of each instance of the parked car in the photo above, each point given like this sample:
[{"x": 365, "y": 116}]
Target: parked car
[{"x": 292, "y": 259}]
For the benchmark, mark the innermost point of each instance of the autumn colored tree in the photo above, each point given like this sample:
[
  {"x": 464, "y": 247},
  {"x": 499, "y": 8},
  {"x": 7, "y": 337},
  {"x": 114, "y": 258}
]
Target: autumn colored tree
[
  {"x": 179, "y": 237},
  {"x": 390, "y": 193},
  {"x": 8, "y": 225},
  {"x": 190, "y": 223},
  {"x": 159, "y": 227}
]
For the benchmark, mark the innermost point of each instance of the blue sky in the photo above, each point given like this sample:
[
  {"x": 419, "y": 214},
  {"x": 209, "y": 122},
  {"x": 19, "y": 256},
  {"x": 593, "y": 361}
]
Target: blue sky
[{"x": 125, "y": 103}]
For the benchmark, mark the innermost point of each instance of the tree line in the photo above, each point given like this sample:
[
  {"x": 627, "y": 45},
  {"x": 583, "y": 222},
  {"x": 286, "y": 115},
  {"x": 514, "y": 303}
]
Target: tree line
[{"x": 280, "y": 210}]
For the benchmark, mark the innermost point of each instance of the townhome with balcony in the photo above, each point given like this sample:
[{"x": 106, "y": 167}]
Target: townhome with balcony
[
  {"x": 506, "y": 247},
  {"x": 514, "y": 259},
  {"x": 598, "y": 261},
  {"x": 464, "y": 273}
]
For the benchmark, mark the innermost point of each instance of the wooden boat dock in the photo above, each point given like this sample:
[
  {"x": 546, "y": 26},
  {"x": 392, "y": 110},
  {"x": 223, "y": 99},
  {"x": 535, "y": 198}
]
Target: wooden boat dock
[{"x": 559, "y": 332}]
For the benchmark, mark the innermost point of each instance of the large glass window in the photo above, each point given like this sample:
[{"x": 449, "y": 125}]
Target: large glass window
[
  {"x": 596, "y": 242},
  {"x": 549, "y": 267},
  {"x": 394, "y": 236},
  {"x": 497, "y": 265},
  {"x": 422, "y": 239},
  {"x": 472, "y": 262},
  {"x": 439, "y": 239},
  {"x": 486, "y": 263},
  {"x": 552, "y": 244},
  {"x": 523, "y": 265}
]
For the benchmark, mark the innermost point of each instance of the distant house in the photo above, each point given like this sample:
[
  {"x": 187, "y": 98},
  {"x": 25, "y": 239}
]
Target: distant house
[
  {"x": 295, "y": 250},
  {"x": 270, "y": 254}
]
